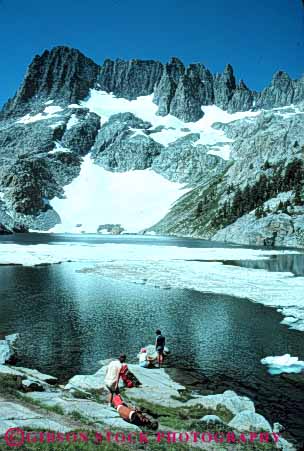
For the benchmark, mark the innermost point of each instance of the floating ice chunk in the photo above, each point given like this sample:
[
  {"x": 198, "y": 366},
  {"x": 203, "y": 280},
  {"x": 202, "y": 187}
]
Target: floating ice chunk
[{"x": 283, "y": 364}]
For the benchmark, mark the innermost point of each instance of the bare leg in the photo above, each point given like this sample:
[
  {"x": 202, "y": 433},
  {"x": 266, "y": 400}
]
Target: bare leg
[
  {"x": 110, "y": 398},
  {"x": 161, "y": 359}
]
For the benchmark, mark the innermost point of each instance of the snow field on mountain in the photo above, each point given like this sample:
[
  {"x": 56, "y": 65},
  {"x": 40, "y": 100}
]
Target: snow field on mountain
[
  {"x": 49, "y": 112},
  {"x": 105, "y": 105},
  {"x": 134, "y": 199}
]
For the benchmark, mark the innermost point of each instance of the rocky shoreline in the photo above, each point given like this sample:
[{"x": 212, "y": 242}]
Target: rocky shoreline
[{"x": 35, "y": 401}]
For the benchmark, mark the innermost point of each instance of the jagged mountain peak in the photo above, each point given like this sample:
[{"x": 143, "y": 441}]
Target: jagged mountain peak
[
  {"x": 229, "y": 70},
  {"x": 63, "y": 73},
  {"x": 280, "y": 75},
  {"x": 242, "y": 85},
  {"x": 176, "y": 61}
]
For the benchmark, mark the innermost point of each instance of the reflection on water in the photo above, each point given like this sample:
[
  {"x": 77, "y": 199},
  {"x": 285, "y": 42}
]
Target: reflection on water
[
  {"x": 46, "y": 238},
  {"x": 293, "y": 263},
  {"x": 70, "y": 320}
]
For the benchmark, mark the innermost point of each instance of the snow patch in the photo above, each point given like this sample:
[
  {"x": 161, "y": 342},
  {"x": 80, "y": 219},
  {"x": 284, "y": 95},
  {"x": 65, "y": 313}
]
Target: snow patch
[
  {"x": 74, "y": 105},
  {"x": 222, "y": 152},
  {"x": 49, "y": 111},
  {"x": 56, "y": 124},
  {"x": 59, "y": 148},
  {"x": 137, "y": 131},
  {"x": 283, "y": 364},
  {"x": 52, "y": 109},
  {"x": 134, "y": 199},
  {"x": 105, "y": 105},
  {"x": 72, "y": 121}
]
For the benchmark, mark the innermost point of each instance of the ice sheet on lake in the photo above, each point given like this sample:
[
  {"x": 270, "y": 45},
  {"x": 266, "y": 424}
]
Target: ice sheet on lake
[
  {"x": 199, "y": 269},
  {"x": 283, "y": 364}
]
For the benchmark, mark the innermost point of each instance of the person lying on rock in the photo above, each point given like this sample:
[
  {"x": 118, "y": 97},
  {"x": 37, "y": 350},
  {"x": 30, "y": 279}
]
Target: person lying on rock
[
  {"x": 133, "y": 414},
  {"x": 112, "y": 376},
  {"x": 160, "y": 346}
]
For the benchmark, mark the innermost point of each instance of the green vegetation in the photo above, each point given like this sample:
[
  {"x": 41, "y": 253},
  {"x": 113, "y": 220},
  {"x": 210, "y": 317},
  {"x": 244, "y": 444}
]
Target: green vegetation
[
  {"x": 9, "y": 384},
  {"x": 77, "y": 416},
  {"x": 184, "y": 396},
  {"x": 181, "y": 414},
  {"x": 282, "y": 179}
]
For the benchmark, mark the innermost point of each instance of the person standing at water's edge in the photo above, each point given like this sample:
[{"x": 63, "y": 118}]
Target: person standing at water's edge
[
  {"x": 112, "y": 376},
  {"x": 159, "y": 346}
]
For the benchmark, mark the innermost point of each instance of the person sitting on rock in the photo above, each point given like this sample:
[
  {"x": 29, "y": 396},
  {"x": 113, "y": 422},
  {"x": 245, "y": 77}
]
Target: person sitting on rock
[
  {"x": 160, "y": 346},
  {"x": 112, "y": 376}
]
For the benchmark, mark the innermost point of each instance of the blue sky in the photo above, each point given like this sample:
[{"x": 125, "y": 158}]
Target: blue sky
[{"x": 256, "y": 37}]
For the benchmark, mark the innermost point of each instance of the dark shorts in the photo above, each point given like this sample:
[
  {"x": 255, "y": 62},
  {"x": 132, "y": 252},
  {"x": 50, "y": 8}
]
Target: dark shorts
[
  {"x": 112, "y": 389},
  {"x": 160, "y": 350}
]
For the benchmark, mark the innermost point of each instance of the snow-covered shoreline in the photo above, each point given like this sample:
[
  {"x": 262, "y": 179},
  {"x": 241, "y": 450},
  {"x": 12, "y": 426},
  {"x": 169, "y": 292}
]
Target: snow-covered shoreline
[{"x": 200, "y": 269}]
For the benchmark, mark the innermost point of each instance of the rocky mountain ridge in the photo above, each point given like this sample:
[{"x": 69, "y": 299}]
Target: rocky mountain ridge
[
  {"x": 66, "y": 75},
  {"x": 207, "y": 131}
]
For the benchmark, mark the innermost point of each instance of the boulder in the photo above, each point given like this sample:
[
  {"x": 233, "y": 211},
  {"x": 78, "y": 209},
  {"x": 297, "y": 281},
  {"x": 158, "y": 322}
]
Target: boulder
[
  {"x": 91, "y": 410},
  {"x": 248, "y": 420},
  {"x": 13, "y": 415},
  {"x": 35, "y": 374},
  {"x": 229, "y": 399},
  {"x": 31, "y": 384},
  {"x": 7, "y": 350},
  {"x": 212, "y": 419}
]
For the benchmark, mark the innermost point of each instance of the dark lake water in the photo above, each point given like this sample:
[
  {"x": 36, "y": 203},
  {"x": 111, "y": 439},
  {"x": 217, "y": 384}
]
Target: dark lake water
[{"x": 69, "y": 320}]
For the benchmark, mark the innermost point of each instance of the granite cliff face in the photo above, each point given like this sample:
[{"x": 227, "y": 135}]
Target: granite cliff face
[
  {"x": 239, "y": 152},
  {"x": 63, "y": 74}
]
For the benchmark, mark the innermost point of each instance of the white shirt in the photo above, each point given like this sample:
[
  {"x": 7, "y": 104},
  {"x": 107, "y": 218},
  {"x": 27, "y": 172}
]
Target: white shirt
[
  {"x": 112, "y": 372},
  {"x": 142, "y": 357}
]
